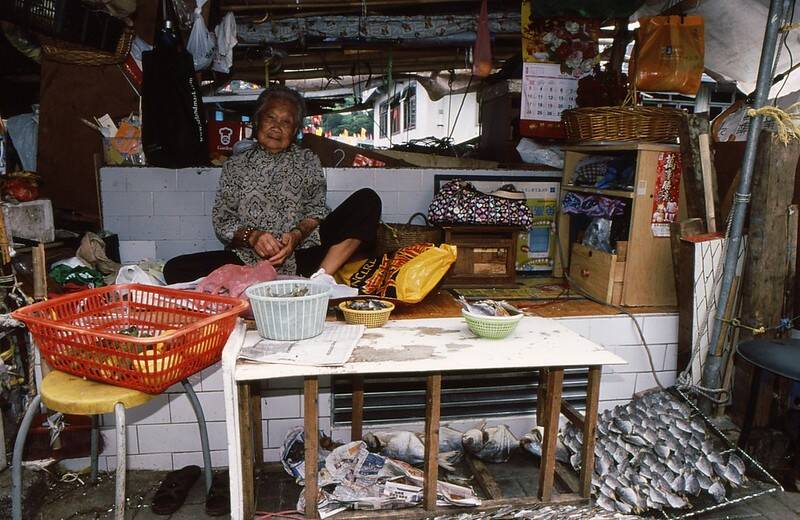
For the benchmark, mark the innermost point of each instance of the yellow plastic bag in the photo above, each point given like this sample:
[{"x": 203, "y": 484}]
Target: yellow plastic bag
[
  {"x": 407, "y": 275},
  {"x": 669, "y": 54}
]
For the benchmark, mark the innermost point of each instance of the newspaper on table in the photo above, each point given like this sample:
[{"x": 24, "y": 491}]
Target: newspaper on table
[
  {"x": 332, "y": 348},
  {"x": 368, "y": 481}
]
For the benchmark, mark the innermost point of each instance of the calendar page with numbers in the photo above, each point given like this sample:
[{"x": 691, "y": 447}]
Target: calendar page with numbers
[{"x": 546, "y": 92}]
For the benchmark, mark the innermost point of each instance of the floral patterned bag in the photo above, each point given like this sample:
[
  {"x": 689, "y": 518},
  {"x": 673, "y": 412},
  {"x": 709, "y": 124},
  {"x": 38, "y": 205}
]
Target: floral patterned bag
[{"x": 459, "y": 202}]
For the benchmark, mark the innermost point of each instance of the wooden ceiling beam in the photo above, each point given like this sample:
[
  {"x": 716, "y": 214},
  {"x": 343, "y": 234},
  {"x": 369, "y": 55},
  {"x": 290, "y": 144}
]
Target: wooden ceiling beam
[{"x": 322, "y": 4}]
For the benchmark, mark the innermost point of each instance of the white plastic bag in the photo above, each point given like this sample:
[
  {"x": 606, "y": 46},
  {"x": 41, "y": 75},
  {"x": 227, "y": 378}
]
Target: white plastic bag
[
  {"x": 202, "y": 43},
  {"x": 226, "y": 41}
]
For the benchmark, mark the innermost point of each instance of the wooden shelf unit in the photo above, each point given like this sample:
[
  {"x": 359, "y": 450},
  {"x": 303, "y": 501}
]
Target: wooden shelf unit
[{"x": 645, "y": 277}]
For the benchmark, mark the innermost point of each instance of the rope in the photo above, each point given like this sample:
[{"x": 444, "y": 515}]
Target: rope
[
  {"x": 790, "y": 26},
  {"x": 784, "y": 120}
]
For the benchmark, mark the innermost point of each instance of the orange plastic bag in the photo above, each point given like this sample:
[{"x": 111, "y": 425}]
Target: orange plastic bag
[{"x": 669, "y": 54}]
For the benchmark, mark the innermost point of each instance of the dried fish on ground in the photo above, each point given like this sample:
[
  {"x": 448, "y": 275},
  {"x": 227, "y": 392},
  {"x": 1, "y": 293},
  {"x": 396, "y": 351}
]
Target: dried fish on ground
[
  {"x": 652, "y": 454},
  {"x": 554, "y": 512}
]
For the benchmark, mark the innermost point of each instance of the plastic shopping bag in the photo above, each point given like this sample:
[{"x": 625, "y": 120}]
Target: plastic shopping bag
[
  {"x": 226, "y": 41},
  {"x": 202, "y": 44},
  {"x": 406, "y": 275},
  {"x": 669, "y": 54}
]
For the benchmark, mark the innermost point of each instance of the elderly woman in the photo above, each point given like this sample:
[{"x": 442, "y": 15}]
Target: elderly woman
[{"x": 270, "y": 205}]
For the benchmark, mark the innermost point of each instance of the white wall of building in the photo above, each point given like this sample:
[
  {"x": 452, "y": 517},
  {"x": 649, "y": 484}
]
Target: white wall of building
[{"x": 433, "y": 118}]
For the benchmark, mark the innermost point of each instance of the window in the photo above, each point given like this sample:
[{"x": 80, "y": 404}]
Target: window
[
  {"x": 382, "y": 118},
  {"x": 410, "y": 109},
  {"x": 395, "y": 115}
]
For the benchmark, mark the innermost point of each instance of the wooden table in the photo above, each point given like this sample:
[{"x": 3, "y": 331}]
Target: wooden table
[{"x": 433, "y": 347}]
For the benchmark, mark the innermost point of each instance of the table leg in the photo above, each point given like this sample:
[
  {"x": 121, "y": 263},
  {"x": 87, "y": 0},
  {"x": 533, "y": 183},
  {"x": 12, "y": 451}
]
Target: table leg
[
  {"x": 555, "y": 378},
  {"x": 589, "y": 430},
  {"x": 311, "y": 437},
  {"x": 246, "y": 439},
  {"x": 356, "y": 427},
  {"x": 433, "y": 401},
  {"x": 541, "y": 397},
  {"x": 258, "y": 434}
]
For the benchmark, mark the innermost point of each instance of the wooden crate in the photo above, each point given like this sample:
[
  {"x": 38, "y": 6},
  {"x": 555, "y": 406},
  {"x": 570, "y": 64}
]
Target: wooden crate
[{"x": 486, "y": 256}]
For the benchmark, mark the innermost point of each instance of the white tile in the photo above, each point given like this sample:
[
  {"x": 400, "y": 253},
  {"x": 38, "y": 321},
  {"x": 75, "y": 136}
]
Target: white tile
[
  {"x": 212, "y": 403},
  {"x": 134, "y": 251},
  {"x": 286, "y": 382},
  {"x": 645, "y": 380},
  {"x": 388, "y": 202},
  {"x": 119, "y": 225},
  {"x": 116, "y": 203},
  {"x": 151, "y": 461},
  {"x": 179, "y": 437},
  {"x": 109, "y": 435},
  {"x": 272, "y": 454},
  {"x": 637, "y": 358},
  {"x": 661, "y": 329},
  {"x": 80, "y": 464},
  {"x": 578, "y": 325},
  {"x": 198, "y": 179},
  {"x": 409, "y": 181},
  {"x": 168, "y": 249},
  {"x": 396, "y": 218},
  {"x": 281, "y": 404},
  {"x": 212, "y": 245},
  {"x": 350, "y": 179},
  {"x": 196, "y": 227},
  {"x": 413, "y": 202},
  {"x": 219, "y": 459},
  {"x": 615, "y": 330},
  {"x": 325, "y": 403},
  {"x": 617, "y": 386},
  {"x": 153, "y": 412},
  {"x": 335, "y": 198},
  {"x": 671, "y": 357},
  {"x": 154, "y": 228},
  {"x": 179, "y": 203},
  {"x": 212, "y": 378},
  {"x": 278, "y": 428},
  {"x": 606, "y": 405},
  {"x": 113, "y": 179},
  {"x": 151, "y": 179}
]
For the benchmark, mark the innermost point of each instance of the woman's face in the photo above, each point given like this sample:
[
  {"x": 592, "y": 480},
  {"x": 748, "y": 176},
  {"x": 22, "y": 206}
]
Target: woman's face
[{"x": 277, "y": 125}]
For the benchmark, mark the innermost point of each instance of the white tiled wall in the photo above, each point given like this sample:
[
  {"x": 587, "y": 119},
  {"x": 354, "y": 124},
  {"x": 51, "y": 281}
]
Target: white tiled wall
[
  {"x": 163, "y": 433},
  {"x": 160, "y": 213}
]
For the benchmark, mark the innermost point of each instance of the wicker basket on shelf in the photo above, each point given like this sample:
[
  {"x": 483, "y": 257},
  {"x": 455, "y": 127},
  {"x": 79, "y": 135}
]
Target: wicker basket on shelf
[
  {"x": 624, "y": 123},
  {"x": 65, "y": 52},
  {"x": 392, "y": 237}
]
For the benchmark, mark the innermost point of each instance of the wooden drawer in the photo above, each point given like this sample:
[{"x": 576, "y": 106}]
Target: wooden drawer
[
  {"x": 486, "y": 256},
  {"x": 597, "y": 273}
]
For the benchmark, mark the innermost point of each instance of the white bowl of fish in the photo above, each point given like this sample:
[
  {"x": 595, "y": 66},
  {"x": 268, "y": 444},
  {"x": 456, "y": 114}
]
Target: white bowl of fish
[
  {"x": 289, "y": 310},
  {"x": 491, "y": 319},
  {"x": 371, "y": 313}
]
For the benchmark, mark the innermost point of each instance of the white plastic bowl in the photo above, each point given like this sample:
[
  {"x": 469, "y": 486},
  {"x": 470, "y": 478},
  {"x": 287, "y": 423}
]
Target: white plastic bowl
[{"x": 289, "y": 318}]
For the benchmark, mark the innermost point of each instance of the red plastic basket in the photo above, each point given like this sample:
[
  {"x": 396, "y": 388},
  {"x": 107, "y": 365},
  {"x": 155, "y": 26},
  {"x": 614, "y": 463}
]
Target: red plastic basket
[{"x": 182, "y": 333}]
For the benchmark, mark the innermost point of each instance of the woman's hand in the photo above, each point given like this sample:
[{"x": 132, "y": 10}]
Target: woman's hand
[
  {"x": 290, "y": 240},
  {"x": 264, "y": 244}
]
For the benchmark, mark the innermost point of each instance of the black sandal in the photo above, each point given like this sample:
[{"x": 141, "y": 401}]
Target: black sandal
[
  {"x": 173, "y": 490},
  {"x": 218, "y": 500}
]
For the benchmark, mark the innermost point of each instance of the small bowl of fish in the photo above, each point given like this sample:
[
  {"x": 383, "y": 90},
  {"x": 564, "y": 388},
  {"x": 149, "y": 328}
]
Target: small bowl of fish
[
  {"x": 371, "y": 313},
  {"x": 491, "y": 319}
]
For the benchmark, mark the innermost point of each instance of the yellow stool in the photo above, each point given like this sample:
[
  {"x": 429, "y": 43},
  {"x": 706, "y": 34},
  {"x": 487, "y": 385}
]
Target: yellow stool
[{"x": 70, "y": 394}]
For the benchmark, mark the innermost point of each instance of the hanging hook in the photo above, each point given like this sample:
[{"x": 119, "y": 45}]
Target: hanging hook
[{"x": 262, "y": 20}]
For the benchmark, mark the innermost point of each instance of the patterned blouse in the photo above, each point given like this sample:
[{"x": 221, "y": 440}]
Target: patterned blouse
[{"x": 270, "y": 192}]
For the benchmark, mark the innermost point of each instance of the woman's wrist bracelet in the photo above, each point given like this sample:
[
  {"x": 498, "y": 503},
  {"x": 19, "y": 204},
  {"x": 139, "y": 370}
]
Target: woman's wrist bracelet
[{"x": 248, "y": 231}]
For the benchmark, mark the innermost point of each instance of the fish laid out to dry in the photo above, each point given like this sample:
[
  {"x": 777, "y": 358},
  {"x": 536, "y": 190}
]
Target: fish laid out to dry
[
  {"x": 366, "y": 305},
  {"x": 409, "y": 447},
  {"x": 489, "y": 307},
  {"x": 653, "y": 454},
  {"x": 556, "y": 512},
  {"x": 490, "y": 444}
]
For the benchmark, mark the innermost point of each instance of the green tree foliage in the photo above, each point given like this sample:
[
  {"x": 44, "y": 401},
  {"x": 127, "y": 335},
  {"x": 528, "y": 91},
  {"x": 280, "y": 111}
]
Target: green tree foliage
[{"x": 352, "y": 121}]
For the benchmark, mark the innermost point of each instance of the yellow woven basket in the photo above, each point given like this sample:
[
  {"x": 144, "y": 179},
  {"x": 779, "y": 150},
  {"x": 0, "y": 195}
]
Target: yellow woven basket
[
  {"x": 370, "y": 319},
  {"x": 625, "y": 123}
]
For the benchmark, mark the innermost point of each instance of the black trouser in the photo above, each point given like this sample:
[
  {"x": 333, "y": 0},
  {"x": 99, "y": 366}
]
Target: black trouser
[{"x": 356, "y": 217}]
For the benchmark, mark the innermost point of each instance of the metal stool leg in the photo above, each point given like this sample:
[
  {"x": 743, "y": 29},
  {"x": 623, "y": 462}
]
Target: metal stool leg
[
  {"x": 119, "y": 498},
  {"x": 201, "y": 423},
  {"x": 95, "y": 447},
  {"x": 749, "y": 414},
  {"x": 16, "y": 458}
]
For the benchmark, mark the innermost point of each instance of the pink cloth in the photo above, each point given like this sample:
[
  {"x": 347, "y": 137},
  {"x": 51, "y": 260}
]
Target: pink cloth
[{"x": 234, "y": 279}]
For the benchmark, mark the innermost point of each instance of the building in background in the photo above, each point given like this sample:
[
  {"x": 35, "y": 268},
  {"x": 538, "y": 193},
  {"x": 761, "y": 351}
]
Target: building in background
[{"x": 407, "y": 113}]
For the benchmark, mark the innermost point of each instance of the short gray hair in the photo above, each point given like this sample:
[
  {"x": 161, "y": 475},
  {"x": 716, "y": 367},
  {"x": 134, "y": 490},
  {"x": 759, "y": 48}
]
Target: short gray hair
[{"x": 280, "y": 92}]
